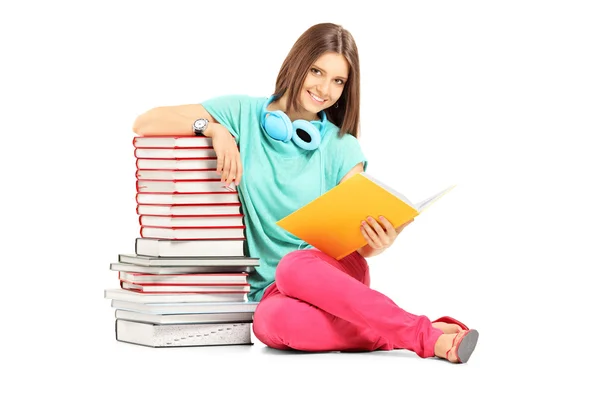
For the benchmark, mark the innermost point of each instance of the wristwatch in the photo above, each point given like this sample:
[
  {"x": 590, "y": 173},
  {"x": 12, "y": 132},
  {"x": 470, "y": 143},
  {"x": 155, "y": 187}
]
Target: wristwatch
[{"x": 200, "y": 126}]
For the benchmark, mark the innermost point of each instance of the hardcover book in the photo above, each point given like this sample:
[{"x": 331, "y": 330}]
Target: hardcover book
[
  {"x": 331, "y": 223},
  {"x": 187, "y": 261},
  {"x": 164, "y": 319},
  {"x": 184, "y": 210},
  {"x": 169, "y": 270},
  {"x": 184, "y": 287},
  {"x": 166, "y": 141},
  {"x": 171, "y": 187},
  {"x": 182, "y": 335},
  {"x": 186, "y": 308},
  {"x": 170, "y": 199},
  {"x": 150, "y": 298},
  {"x": 191, "y": 248},
  {"x": 184, "y": 279},
  {"x": 194, "y": 221},
  {"x": 171, "y": 163},
  {"x": 178, "y": 153},
  {"x": 175, "y": 175}
]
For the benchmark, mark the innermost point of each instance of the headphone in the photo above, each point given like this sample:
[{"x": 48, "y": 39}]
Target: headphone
[{"x": 279, "y": 127}]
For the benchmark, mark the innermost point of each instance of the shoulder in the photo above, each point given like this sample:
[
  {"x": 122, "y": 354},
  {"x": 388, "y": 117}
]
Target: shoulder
[
  {"x": 337, "y": 142},
  {"x": 234, "y": 100}
]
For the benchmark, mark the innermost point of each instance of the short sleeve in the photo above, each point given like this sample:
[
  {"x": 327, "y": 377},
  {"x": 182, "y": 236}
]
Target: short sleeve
[
  {"x": 228, "y": 111},
  {"x": 347, "y": 154}
]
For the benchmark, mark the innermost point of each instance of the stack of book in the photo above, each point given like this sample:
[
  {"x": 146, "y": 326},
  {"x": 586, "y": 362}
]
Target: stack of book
[{"x": 186, "y": 284}]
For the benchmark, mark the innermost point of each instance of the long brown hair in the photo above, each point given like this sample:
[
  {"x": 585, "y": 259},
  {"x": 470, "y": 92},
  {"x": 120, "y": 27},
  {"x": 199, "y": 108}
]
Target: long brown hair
[{"x": 313, "y": 43}]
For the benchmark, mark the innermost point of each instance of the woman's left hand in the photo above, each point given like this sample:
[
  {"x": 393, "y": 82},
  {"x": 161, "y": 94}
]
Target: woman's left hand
[{"x": 380, "y": 234}]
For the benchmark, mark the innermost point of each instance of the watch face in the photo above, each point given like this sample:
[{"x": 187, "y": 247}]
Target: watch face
[{"x": 200, "y": 124}]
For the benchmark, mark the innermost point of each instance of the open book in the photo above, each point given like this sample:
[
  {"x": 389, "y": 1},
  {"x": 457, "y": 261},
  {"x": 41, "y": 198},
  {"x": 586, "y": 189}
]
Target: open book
[{"x": 331, "y": 223}]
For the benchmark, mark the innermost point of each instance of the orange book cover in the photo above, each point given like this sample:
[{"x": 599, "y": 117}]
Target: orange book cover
[{"x": 331, "y": 223}]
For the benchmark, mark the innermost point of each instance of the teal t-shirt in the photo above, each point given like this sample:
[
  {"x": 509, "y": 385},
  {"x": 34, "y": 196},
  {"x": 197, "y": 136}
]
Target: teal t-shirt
[{"x": 278, "y": 178}]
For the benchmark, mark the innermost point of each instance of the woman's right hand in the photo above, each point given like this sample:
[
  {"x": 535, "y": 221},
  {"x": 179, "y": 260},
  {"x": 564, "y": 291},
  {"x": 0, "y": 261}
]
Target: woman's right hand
[{"x": 229, "y": 163}]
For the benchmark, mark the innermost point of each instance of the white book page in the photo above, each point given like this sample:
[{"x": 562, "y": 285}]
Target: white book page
[
  {"x": 427, "y": 202},
  {"x": 391, "y": 190}
]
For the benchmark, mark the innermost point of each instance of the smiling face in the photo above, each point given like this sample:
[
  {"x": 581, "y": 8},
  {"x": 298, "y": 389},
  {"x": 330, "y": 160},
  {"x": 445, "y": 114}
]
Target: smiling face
[
  {"x": 324, "y": 83},
  {"x": 321, "y": 73}
]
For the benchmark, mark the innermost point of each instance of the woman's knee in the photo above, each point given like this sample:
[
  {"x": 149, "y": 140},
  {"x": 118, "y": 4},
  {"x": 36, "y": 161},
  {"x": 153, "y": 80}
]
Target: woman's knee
[
  {"x": 293, "y": 268},
  {"x": 267, "y": 318}
]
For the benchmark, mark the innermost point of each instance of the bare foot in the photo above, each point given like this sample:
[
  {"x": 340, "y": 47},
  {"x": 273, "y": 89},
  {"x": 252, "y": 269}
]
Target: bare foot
[{"x": 447, "y": 328}]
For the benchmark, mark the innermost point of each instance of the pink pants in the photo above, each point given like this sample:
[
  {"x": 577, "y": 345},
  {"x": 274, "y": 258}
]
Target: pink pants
[{"x": 320, "y": 304}]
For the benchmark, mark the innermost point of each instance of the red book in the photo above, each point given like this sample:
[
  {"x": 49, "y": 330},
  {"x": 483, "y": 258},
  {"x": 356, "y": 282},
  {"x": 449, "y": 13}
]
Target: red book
[
  {"x": 175, "y": 175},
  {"x": 172, "y": 210},
  {"x": 180, "y": 154},
  {"x": 200, "y": 186},
  {"x": 210, "y": 288},
  {"x": 176, "y": 164},
  {"x": 187, "y": 198},
  {"x": 193, "y": 221},
  {"x": 184, "y": 279},
  {"x": 182, "y": 233},
  {"x": 169, "y": 141}
]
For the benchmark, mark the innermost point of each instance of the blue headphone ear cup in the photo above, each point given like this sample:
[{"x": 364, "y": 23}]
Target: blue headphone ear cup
[
  {"x": 311, "y": 130},
  {"x": 278, "y": 125}
]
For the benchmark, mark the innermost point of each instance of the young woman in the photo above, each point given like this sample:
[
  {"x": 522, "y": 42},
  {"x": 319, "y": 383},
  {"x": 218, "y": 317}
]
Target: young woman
[{"x": 292, "y": 147}]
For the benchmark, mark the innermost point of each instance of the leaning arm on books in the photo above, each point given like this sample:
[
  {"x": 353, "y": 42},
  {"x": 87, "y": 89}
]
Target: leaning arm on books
[
  {"x": 173, "y": 120},
  {"x": 179, "y": 120},
  {"x": 377, "y": 230}
]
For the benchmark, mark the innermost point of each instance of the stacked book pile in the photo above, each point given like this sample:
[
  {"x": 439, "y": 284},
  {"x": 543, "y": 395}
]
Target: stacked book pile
[{"x": 186, "y": 284}]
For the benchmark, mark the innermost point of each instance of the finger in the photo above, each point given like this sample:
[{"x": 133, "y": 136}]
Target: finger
[
  {"x": 388, "y": 233},
  {"x": 376, "y": 226},
  {"x": 387, "y": 225},
  {"x": 226, "y": 167},
  {"x": 220, "y": 161},
  {"x": 238, "y": 177},
  {"x": 384, "y": 237},
  {"x": 232, "y": 172},
  {"x": 373, "y": 235},
  {"x": 367, "y": 237}
]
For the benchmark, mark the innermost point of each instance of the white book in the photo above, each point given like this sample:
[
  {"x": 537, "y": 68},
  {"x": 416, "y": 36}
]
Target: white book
[
  {"x": 175, "y": 153},
  {"x": 190, "y": 248},
  {"x": 184, "y": 288},
  {"x": 200, "y": 221},
  {"x": 190, "y": 210},
  {"x": 150, "y": 261},
  {"x": 205, "y": 186},
  {"x": 170, "y": 270},
  {"x": 186, "y": 198},
  {"x": 182, "y": 335},
  {"x": 183, "y": 233},
  {"x": 164, "y": 319},
  {"x": 174, "y": 175},
  {"x": 171, "y": 141},
  {"x": 188, "y": 279},
  {"x": 150, "y": 298},
  {"x": 198, "y": 163},
  {"x": 185, "y": 308}
]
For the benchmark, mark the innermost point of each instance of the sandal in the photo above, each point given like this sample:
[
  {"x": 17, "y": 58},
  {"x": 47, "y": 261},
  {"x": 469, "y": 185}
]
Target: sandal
[
  {"x": 450, "y": 320},
  {"x": 463, "y": 344}
]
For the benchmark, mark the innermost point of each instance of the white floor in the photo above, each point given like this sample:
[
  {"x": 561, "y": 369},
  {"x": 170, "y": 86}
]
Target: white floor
[{"x": 80, "y": 358}]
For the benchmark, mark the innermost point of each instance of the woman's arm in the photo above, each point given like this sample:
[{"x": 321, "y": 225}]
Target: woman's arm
[
  {"x": 178, "y": 120},
  {"x": 172, "y": 120}
]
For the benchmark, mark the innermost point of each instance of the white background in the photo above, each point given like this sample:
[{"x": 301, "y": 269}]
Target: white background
[{"x": 501, "y": 98}]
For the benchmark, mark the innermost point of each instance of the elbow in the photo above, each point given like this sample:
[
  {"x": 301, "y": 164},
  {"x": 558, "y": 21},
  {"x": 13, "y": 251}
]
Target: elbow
[
  {"x": 137, "y": 126},
  {"x": 142, "y": 122}
]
